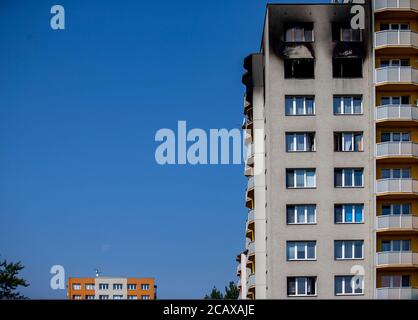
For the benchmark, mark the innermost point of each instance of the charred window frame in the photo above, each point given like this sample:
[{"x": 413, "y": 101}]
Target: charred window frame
[
  {"x": 299, "y": 32},
  {"x": 299, "y": 68},
  {"x": 347, "y": 67}
]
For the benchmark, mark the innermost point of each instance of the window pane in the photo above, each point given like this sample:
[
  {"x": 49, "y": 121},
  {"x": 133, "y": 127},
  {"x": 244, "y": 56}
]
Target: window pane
[
  {"x": 358, "y": 142},
  {"x": 290, "y": 214},
  {"x": 385, "y": 281},
  {"x": 291, "y": 286},
  {"x": 406, "y": 136},
  {"x": 348, "y": 249},
  {"x": 359, "y": 213},
  {"x": 385, "y": 246},
  {"x": 348, "y": 177},
  {"x": 311, "y": 285},
  {"x": 405, "y": 281},
  {"x": 406, "y": 173},
  {"x": 311, "y": 250},
  {"x": 396, "y": 100},
  {"x": 300, "y": 142},
  {"x": 348, "y": 143},
  {"x": 406, "y": 208},
  {"x": 385, "y": 210},
  {"x": 299, "y": 105},
  {"x": 300, "y": 248},
  {"x": 358, "y": 249},
  {"x": 347, "y": 285},
  {"x": 300, "y": 214},
  {"x": 357, "y": 105},
  {"x": 348, "y": 214},
  {"x": 385, "y": 173},
  {"x": 396, "y": 209},
  {"x": 338, "y": 250},
  {"x": 301, "y": 285},
  {"x": 337, "y": 105},
  {"x": 300, "y": 178},
  {"x": 385, "y": 137},
  {"x": 290, "y": 179},
  {"x": 396, "y": 136},
  {"x": 358, "y": 178},
  {"x": 289, "y": 106},
  {"x": 338, "y": 178},
  {"x": 396, "y": 245},
  {"x": 310, "y": 178},
  {"x": 338, "y": 285},
  {"x": 406, "y": 245},
  {"x": 311, "y": 214},
  {"x": 291, "y": 251},
  {"x": 385, "y": 101},
  {"x": 347, "y": 105},
  {"x": 290, "y": 145},
  {"x": 338, "y": 214},
  {"x": 309, "y": 105}
]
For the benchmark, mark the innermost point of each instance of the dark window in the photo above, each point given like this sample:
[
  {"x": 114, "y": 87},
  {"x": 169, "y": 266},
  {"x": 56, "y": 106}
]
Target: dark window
[
  {"x": 347, "y": 67},
  {"x": 299, "y": 68}
]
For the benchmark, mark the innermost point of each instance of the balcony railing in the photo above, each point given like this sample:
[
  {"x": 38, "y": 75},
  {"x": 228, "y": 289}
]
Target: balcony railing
[
  {"x": 251, "y": 248},
  {"x": 397, "y": 186},
  {"x": 397, "y": 258},
  {"x": 251, "y": 280},
  {"x": 250, "y": 184},
  {"x": 395, "y": 149},
  {"x": 405, "y": 38},
  {"x": 397, "y": 293},
  {"x": 249, "y": 156},
  {"x": 238, "y": 269},
  {"x": 398, "y": 112},
  {"x": 396, "y": 75},
  {"x": 250, "y": 216},
  {"x": 396, "y": 4},
  {"x": 397, "y": 221}
]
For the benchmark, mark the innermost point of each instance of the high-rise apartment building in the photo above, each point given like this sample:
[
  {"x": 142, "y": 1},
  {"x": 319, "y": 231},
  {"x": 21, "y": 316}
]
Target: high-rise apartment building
[
  {"x": 330, "y": 120},
  {"x": 111, "y": 288}
]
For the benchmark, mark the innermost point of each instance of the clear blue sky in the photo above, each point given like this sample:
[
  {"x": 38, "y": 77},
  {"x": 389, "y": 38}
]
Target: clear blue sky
[{"x": 79, "y": 108}]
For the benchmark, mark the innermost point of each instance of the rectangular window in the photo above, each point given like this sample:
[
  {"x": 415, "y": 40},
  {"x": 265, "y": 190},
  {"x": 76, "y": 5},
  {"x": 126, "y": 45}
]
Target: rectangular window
[
  {"x": 348, "y": 249},
  {"x": 348, "y": 141},
  {"x": 117, "y": 286},
  {"x": 144, "y": 286},
  {"x": 346, "y": 105},
  {"x": 396, "y": 245},
  {"x": 299, "y": 105},
  {"x": 300, "y": 142},
  {"x": 131, "y": 286},
  {"x": 103, "y": 297},
  {"x": 301, "y": 214},
  {"x": 349, "y": 285},
  {"x": 301, "y": 250},
  {"x": 396, "y": 173},
  {"x": 145, "y": 297},
  {"x": 103, "y": 286},
  {"x": 394, "y": 63},
  {"x": 301, "y": 286},
  {"x": 76, "y": 286},
  {"x": 89, "y": 297},
  {"x": 347, "y": 67},
  {"x": 89, "y": 286},
  {"x": 300, "y": 178},
  {"x": 395, "y": 281},
  {"x": 299, "y": 32},
  {"x": 396, "y": 209},
  {"x": 299, "y": 68},
  {"x": 117, "y": 297},
  {"x": 349, "y": 213},
  {"x": 76, "y": 297},
  {"x": 395, "y": 137},
  {"x": 348, "y": 178},
  {"x": 350, "y": 35},
  {"x": 132, "y": 297},
  {"x": 394, "y": 26},
  {"x": 394, "y": 100}
]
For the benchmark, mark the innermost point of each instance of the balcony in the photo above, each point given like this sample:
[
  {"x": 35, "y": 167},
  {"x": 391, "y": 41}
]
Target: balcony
[
  {"x": 397, "y": 293},
  {"x": 404, "y": 112},
  {"x": 249, "y": 156},
  {"x": 251, "y": 248},
  {"x": 239, "y": 269},
  {"x": 397, "y": 150},
  {"x": 395, "y": 5},
  {"x": 397, "y": 222},
  {"x": 251, "y": 280},
  {"x": 250, "y": 218},
  {"x": 248, "y": 171},
  {"x": 396, "y": 41},
  {"x": 396, "y": 186},
  {"x": 397, "y": 78},
  {"x": 250, "y": 193},
  {"x": 397, "y": 259}
]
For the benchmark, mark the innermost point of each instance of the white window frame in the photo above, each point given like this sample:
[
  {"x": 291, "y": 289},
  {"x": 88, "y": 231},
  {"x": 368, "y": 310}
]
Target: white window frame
[
  {"x": 305, "y": 177},
  {"x": 104, "y": 297},
  {"x": 352, "y": 178},
  {"x": 145, "y": 297},
  {"x": 352, "y": 139},
  {"x": 353, "y": 207},
  {"x": 401, "y": 246},
  {"x": 90, "y": 297},
  {"x": 90, "y": 286},
  {"x": 391, "y": 281},
  {"x": 342, "y": 106},
  {"x": 145, "y": 286},
  {"x": 131, "y": 286},
  {"x": 352, "y": 293},
  {"x": 295, "y": 214},
  {"x": 352, "y": 31},
  {"x": 304, "y": 244},
  {"x": 353, "y": 250},
  {"x": 103, "y": 286},
  {"x": 294, "y": 136},
  {"x": 117, "y": 286},
  {"x": 117, "y": 297},
  {"x": 306, "y": 287},
  {"x": 76, "y": 286},
  {"x": 391, "y": 170},
  {"x": 292, "y": 31},
  {"x": 132, "y": 297},
  {"x": 294, "y": 106}
]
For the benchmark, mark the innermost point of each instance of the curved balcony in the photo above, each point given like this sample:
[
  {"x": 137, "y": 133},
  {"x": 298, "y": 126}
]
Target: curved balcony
[
  {"x": 397, "y": 78},
  {"x": 397, "y": 293},
  {"x": 397, "y": 222},
  {"x": 396, "y": 186},
  {"x": 396, "y": 41},
  {"x": 399, "y": 149},
  {"x": 395, "y": 5},
  {"x": 251, "y": 215},
  {"x": 394, "y": 259},
  {"x": 391, "y": 112},
  {"x": 251, "y": 280},
  {"x": 249, "y": 203},
  {"x": 248, "y": 171},
  {"x": 249, "y": 154},
  {"x": 251, "y": 248}
]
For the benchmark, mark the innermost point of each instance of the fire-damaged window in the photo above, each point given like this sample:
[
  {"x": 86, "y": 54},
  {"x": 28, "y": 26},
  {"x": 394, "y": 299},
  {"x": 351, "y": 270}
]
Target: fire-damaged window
[
  {"x": 299, "y": 68},
  {"x": 344, "y": 32},
  {"x": 299, "y": 32},
  {"x": 347, "y": 67}
]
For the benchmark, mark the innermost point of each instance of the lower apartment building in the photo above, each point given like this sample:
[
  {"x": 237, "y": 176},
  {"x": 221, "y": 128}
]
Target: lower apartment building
[
  {"x": 330, "y": 127},
  {"x": 111, "y": 288}
]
